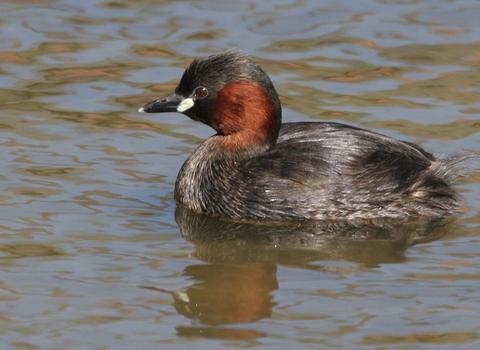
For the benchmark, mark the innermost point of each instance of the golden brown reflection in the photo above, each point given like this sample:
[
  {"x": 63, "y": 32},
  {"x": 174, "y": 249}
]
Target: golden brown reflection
[
  {"x": 85, "y": 74},
  {"x": 26, "y": 250},
  {"x": 237, "y": 283},
  {"x": 227, "y": 293}
]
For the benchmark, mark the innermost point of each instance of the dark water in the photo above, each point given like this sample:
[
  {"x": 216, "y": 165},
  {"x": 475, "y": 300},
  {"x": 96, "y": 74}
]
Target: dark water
[{"x": 93, "y": 255}]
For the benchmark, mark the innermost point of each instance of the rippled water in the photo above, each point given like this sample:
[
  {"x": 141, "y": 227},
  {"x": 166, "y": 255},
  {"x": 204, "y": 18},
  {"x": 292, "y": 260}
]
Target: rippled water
[{"x": 93, "y": 255}]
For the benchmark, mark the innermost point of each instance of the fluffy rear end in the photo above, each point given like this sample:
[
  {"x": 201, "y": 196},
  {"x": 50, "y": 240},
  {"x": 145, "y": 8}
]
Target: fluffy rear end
[{"x": 434, "y": 192}]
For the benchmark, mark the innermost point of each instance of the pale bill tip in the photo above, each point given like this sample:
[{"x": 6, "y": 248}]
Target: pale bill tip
[
  {"x": 183, "y": 296},
  {"x": 141, "y": 110}
]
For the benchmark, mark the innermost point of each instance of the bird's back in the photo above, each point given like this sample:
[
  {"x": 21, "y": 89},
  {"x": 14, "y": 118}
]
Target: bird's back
[{"x": 322, "y": 171}]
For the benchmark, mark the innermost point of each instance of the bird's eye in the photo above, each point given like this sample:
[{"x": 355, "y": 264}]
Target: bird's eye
[{"x": 200, "y": 92}]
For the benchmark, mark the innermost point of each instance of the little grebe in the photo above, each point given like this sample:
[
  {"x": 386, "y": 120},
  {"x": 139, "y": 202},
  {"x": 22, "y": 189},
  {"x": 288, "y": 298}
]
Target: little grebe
[{"x": 255, "y": 167}]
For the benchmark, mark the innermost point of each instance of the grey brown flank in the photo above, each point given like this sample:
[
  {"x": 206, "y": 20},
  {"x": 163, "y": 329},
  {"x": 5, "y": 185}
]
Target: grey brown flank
[{"x": 303, "y": 188}]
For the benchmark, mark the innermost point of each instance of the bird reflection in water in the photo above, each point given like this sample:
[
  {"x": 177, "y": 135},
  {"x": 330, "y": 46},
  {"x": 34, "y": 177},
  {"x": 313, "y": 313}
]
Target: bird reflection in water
[{"x": 236, "y": 284}]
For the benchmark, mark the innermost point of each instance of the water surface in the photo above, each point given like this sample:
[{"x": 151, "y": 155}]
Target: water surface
[{"x": 93, "y": 254}]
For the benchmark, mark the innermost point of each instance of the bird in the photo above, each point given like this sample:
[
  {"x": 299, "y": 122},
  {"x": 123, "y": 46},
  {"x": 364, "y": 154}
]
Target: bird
[{"x": 256, "y": 168}]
